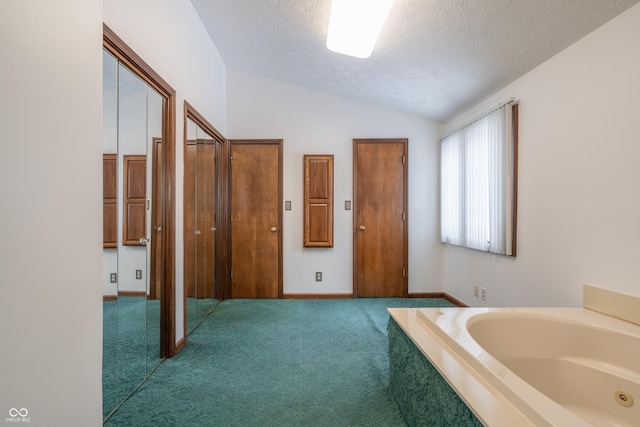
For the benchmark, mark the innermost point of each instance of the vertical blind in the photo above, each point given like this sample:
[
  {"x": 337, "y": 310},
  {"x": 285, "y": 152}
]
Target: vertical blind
[{"x": 477, "y": 185}]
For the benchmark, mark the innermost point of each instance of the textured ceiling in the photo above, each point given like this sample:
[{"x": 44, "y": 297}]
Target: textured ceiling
[{"x": 434, "y": 58}]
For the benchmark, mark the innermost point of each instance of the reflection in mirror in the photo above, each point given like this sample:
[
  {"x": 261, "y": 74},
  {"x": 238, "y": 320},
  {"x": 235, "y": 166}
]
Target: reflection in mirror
[
  {"x": 201, "y": 202},
  {"x": 191, "y": 229},
  {"x": 132, "y": 252},
  {"x": 154, "y": 263},
  {"x": 132, "y": 145},
  {"x": 110, "y": 394}
]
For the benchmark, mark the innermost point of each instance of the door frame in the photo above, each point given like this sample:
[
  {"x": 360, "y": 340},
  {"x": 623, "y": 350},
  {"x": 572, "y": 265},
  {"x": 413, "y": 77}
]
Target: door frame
[
  {"x": 116, "y": 46},
  {"x": 279, "y": 143},
  {"x": 405, "y": 208}
]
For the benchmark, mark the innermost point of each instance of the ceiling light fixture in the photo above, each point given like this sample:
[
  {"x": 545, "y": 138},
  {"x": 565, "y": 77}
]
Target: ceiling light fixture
[{"x": 354, "y": 25}]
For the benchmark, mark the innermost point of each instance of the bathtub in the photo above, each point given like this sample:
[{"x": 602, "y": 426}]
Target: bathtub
[{"x": 533, "y": 366}]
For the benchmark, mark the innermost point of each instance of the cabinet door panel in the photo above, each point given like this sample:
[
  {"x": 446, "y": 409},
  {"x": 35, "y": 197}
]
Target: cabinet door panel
[
  {"x": 110, "y": 206},
  {"x": 318, "y": 200}
]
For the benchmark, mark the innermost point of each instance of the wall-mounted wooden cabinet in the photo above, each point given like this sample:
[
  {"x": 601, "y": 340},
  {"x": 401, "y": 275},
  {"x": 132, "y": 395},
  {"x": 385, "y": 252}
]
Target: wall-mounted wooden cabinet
[
  {"x": 318, "y": 200},
  {"x": 110, "y": 205}
]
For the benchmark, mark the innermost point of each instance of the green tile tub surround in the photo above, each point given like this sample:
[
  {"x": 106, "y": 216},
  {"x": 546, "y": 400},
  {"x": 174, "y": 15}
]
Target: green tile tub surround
[{"x": 424, "y": 397}]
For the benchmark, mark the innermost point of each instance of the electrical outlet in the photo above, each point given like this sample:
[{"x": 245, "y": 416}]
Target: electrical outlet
[
  {"x": 483, "y": 293},
  {"x": 347, "y": 205},
  {"x": 318, "y": 276},
  {"x": 138, "y": 274},
  {"x": 476, "y": 291},
  {"x": 287, "y": 205},
  {"x": 113, "y": 278}
]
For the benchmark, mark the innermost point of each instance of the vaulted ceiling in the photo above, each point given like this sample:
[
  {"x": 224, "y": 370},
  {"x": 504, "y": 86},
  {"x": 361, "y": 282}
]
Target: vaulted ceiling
[{"x": 434, "y": 58}]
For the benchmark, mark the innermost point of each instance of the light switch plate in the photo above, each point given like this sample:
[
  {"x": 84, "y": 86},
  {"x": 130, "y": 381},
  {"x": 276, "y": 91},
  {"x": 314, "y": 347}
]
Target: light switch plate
[
  {"x": 347, "y": 205},
  {"x": 287, "y": 205}
]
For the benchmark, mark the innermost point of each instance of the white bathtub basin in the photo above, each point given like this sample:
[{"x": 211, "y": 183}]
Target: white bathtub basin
[{"x": 558, "y": 366}]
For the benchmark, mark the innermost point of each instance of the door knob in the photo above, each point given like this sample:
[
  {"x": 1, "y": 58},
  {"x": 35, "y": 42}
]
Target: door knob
[
  {"x": 274, "y": 229},
  {"x": 158, "y": 228},
  {"x": 362, "y": 228}
]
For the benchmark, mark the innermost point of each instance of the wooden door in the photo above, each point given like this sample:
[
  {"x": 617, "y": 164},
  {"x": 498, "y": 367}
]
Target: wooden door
[
  {"x": 134, "y": 228},
  {"x": 380, "y": 219},
  {"x": 256, "y": 219}
]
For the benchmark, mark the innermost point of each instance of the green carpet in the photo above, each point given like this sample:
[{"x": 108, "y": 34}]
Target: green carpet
[
  {"x": 130, "y": 347},
  {"x": 277, "y": 363}
]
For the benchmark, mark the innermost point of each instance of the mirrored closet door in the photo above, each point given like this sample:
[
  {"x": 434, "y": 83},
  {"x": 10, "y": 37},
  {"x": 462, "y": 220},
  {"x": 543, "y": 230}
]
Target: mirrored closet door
[
  {"x": 132, "y": 229},
  {"x": 203, "y": 151}
]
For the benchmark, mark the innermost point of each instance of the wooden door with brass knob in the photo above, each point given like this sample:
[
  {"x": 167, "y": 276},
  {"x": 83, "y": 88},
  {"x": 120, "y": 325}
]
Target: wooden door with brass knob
[
  {"x": 380, "y": 243},
  {"x": 256, "y": 218}
]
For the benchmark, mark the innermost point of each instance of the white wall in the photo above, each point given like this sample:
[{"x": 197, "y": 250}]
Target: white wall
[
  {"x": 169, "y": 36},
  {"x": 578, "y": 198},
  {"x": 50, "y": 169},
  {"x": 312, "y": 122}
]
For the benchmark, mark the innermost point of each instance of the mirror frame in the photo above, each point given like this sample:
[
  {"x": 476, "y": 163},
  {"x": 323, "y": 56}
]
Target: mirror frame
[{"x": 127, "y": 56}]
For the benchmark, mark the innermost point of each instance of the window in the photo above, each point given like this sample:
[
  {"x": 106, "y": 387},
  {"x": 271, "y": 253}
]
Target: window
[{"x": 479, "y": 181}]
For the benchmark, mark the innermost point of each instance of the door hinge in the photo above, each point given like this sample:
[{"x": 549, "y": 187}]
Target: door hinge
[
  {"x": 404, "y": 272},
  {"x": 404, "y": 159},
  {"x": 231, "y": 159},
  {"x": 231, "y": 217},
  {"x": 231, "y": 274},
  {"x": 148, "y": 204},
  {"x": 404, "y": 216}
]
